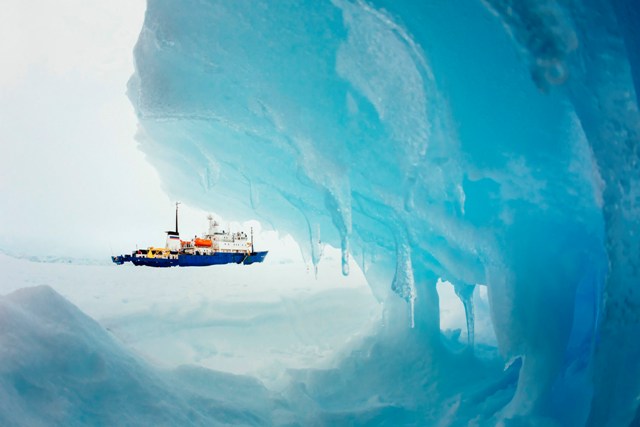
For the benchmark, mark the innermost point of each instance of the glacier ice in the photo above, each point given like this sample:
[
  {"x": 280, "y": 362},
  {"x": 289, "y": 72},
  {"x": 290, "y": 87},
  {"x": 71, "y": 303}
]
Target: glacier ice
[{"x": 493, "y": 143}]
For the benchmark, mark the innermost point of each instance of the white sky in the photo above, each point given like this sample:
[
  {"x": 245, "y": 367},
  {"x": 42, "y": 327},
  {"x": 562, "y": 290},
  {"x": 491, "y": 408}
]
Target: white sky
[
  {"x": 70, "y": 173},
  {"x": 72, "y": 180}
]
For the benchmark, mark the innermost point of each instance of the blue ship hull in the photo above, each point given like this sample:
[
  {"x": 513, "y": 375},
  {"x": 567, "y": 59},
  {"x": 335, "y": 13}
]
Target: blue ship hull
[{"x": 185, "y": 260}]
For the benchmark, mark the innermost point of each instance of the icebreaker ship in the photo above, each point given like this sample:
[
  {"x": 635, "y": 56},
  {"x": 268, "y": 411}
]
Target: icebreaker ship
[
  {"x": 486, "y": 143},
  {"x": 212, "y": 248}
]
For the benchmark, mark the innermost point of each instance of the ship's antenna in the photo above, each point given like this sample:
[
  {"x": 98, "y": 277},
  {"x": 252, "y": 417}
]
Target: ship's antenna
[{"x": 177, "y": 203}]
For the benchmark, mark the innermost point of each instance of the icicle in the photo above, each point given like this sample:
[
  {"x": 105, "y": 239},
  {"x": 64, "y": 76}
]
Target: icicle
[
  {"x": 465, "y": 293},
  {"x": 317, "y": 248},
  {"x": 345, "y": 256},
  {"x": 403, "y": 281},
  {"x": 340, "y": 209}
]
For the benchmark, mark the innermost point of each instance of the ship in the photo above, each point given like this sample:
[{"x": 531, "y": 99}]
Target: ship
[{"x": 216, "y": 246}]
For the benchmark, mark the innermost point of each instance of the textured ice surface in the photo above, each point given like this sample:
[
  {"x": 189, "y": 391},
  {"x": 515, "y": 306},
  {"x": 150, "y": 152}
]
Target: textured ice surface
[
  {"x": 491, "y": 142},
  {"x": 59, "y": 367},
  {"x": 218, "y": 318},
  {"x": 167, "y": 347}
]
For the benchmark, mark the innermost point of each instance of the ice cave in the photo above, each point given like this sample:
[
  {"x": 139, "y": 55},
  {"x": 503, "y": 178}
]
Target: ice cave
[{"x": 489, "y": 149}]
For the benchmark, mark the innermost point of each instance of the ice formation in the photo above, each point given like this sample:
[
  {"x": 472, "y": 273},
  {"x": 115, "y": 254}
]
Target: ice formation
[
  {"x": 60, "y": 367},
  {"x": 490, "y": 143}
]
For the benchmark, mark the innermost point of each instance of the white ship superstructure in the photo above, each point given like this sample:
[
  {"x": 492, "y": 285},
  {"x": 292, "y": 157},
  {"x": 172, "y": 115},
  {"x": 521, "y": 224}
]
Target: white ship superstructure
[{"x": 218, "y": 240}]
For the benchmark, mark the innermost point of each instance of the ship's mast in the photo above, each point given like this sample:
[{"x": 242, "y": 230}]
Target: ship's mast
[
  {"x": 251, "y": 239},
  {"x": 177, "y": 203},
  {"x": 173, "y": 238}
]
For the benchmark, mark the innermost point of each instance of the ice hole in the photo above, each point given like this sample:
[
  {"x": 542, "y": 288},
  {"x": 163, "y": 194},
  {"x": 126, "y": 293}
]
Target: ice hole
[
  {"x": 484, "y": 332},
  {"x": 453, "y": 323}
]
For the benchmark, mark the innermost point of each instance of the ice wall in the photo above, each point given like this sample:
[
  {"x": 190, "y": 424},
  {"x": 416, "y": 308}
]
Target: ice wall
[
  {"x": 591, "y": 49},
  {"x": 491, "y": 143}
]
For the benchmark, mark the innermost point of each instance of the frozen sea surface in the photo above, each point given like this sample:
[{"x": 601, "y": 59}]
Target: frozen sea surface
[
  {"x": 104, "y": 344},
  {"x": 254, "y": 320}
]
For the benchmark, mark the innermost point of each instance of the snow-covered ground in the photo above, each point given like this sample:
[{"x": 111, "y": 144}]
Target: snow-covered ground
[
  {"x": 256, "y": 320},
  {"x": 233, "y": 345},
  {"x": 60, "y": 367}
]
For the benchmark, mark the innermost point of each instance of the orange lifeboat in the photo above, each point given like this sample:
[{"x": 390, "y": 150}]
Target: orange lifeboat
[{"x": 203, "y": 243}]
